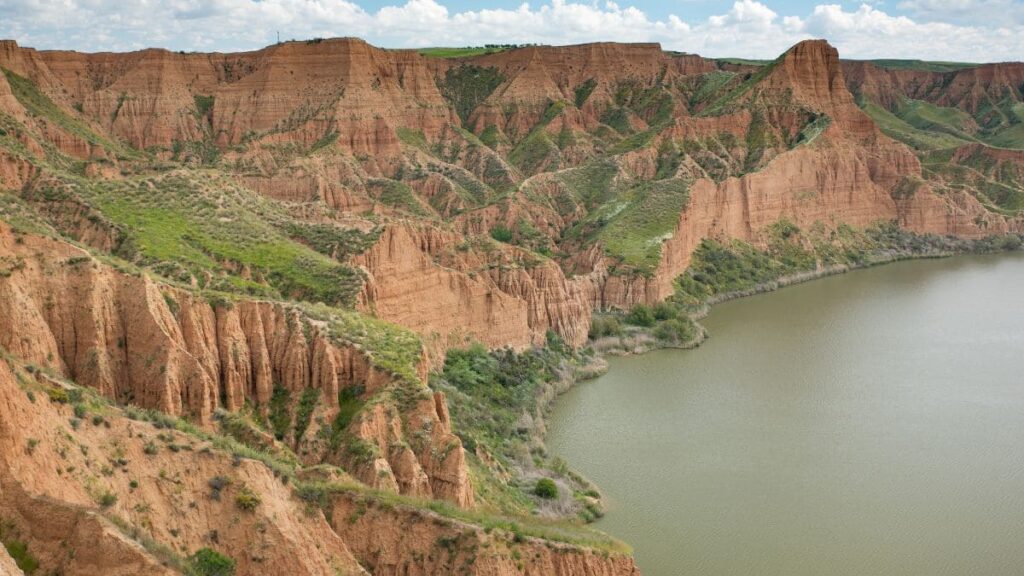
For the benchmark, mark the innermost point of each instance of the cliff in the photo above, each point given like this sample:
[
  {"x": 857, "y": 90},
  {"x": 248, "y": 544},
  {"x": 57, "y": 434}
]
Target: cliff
[
  {"x": 402, "y": 136},
  {"x": 279, "y": 246},
  {"x": 115, "y": 494},
  {"x": 848, "y": 174},
  {"x": 154, "y": 346}
]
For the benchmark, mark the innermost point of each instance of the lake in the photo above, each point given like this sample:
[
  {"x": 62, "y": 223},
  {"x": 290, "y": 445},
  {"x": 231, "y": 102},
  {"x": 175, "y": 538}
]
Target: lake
[{"x": 870, "y": 423}]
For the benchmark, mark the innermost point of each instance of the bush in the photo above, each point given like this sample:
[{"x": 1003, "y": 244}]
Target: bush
[
  {"x": 58, "y": 395},
  {"x": 208, "y": 562},
  {"x": 107, "y": 499},
  {"x": 280, "y": 414},
  {"x": 641, "y": 315},
  {"x": 605, "y": 326},
  {"x": 501, "y": 234},
  {"x": 546, "y": 488},
  {"x": 304, "y": 413},
  {"x": 664, "y": 311},
  {"x": 676, "y": 331},
  {"x": 22, "y": 557},
  {"x": 247, "y": 499}
]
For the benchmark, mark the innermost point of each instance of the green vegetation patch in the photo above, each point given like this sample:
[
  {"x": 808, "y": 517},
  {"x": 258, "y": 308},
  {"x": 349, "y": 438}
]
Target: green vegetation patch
[
  {"x": 205, "y": 226},
  {"x": 40, "y": 105},
  {"x": 464, "y": 52},
  {"x": 467, "y": 86},
  {"x": 17, "y": 549},
  {"x": 922, "y": 65},
  {"x": 899, "y": 129},
  {"x": 519, "y": 527},
  {"x": 397, "y": 195},
  {"x": 209, "y": 562},
  {"x": 633, "y": 226},
  {"x": 492, "y": 391}
]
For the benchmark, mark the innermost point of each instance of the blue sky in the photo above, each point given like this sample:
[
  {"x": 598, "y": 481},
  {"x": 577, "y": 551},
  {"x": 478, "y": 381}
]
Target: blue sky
[{"x": 961, "y": 30}]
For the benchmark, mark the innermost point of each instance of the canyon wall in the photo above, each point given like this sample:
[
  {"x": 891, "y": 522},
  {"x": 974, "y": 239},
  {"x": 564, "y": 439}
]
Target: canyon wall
[{"x": 141, "y": 343}]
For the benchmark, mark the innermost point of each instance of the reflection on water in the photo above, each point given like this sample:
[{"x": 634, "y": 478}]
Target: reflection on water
[{"x": 864, "y": 424}]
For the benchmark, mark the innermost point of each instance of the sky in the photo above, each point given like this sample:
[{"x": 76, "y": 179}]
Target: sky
[{"x": 951, "y": 30}]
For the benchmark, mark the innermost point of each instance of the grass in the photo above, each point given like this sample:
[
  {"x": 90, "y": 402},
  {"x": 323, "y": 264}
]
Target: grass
[
  {"x": 705, "y": 87},
  {"x": 633, "y": 226},
  {"x": 1011, "y": 137},
  {"x": 203, "y": 226},
  {"x": 398, "y": 195},
  {"x": 898, "y": 128},
  {"x": 922, "y": 65},
  {"x": 467, "y": 86},
  {"x": 727, "y": 101},
  {"x": 390, "y": 347},
  {"x": 465, "y": 52},
  {"x": 535, "y": 152},
  {"x": 743, "y": 61},
  {"x": 522, "y": 526},
  {"x": 926, "y": 116},
  {"x": 720, "y": 269}
]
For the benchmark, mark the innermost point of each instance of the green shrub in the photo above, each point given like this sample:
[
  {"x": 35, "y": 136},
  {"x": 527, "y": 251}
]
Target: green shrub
[
  {"x": 546, "y": 488},
  {"x": 208, "y": 562},
  {"x": 247, "y": 499},
  {"x": 605, "y": 326},
  {"x": 280, "y": 415},
  {"x": 664, "y": 311},
  {"x": 58, "y": 395},
  {"x": 641, "y": 315},
  {"x": 21, "y": 556},
  {"x": 304, "y": 413},
  {"x": 349, "y": 405},
  {"x": 107, "y": 499},
  {"x": 676, "y": 331},
  {"x": 501, "y": 234}
]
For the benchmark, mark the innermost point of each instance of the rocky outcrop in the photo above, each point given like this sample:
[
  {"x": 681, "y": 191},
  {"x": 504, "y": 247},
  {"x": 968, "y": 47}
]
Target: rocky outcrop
[
  {"x": 113, "y": 495},
  {"x": 142, "y": 343},
  {"x": 436, "y": 283},
  {"x": 85, "y": 498},
  {"x": 536, "y": 76},
  {"x": 304, "y": 89},
  {"x": 847, "y": 175},
  {"x": 972, "y": 89}
]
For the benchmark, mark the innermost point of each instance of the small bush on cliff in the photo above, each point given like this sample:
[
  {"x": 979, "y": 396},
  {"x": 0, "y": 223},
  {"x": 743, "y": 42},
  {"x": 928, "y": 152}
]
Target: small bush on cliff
[
  {"x": 501, "y": 234},
  {"x": 58, "y": 395},
  {"x": 18, "y": 550},
  {"x": 107, "y": 499},
  {"x": 304, "y": 412},
  {"x": 280, "y": 415},
  {"x": 208, "y": 562},
  {"x": 247, "y": 499},
  {"x": 546, "y": 488}
]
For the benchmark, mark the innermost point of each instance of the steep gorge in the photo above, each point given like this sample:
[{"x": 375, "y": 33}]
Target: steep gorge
[{"x": 281, "y": 245}]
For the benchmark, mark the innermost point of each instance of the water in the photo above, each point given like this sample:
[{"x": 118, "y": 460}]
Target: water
[{"x": 864, "y": 424}]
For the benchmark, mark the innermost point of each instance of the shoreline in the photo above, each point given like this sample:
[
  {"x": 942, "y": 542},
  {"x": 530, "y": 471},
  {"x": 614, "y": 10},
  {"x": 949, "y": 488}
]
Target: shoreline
[
  {"x": 643, "y": 342},
  {"x": 597, "y": 364}
]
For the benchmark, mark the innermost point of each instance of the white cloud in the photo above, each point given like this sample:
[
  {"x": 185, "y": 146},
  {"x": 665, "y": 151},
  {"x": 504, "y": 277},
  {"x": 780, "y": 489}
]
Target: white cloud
[
  {"x": 750, "y": 28},
  {"x": 998, "y": 12}
]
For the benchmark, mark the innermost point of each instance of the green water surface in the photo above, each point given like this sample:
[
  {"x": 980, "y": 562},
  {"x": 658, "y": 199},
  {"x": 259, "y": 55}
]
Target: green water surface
[{"x": 864, "y": 424}]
